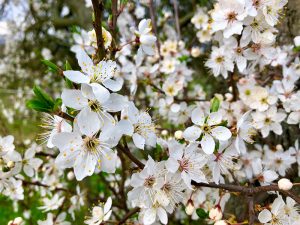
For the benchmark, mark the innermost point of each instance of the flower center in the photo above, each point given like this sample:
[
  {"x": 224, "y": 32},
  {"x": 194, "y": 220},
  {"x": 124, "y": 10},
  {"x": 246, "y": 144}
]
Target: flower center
[
  {"x": 91, "y": 144},
  {"x": 95, "y": 105},
  {"x": 183, "y": 165},
  {"x": 149, "y": 182},
  {"x": 231, "y": 16},
  {"x": 220, "y": 59}
]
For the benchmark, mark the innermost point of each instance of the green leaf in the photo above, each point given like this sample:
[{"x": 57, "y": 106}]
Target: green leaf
[
  {"x": 43, "y": 96},
  {"x": 214, "y": 105},
  {"x": 57, "y": 104},
  {"x": 42, "y": 102},
  {"x": 37, "y": 105},
  {"x": 51, "y": 66},
  {"x": 67, "y": 66},
  {"x": 296, "y": 49},
  {"x": 68, "y": 83},
  {"x": 183, "y": 58},
  {"x": 202, "y": 213}
]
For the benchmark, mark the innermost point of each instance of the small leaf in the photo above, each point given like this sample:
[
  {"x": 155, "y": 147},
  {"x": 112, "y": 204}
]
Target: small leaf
[
  {"x": 183, "y": 58},
  {"x": 43, "y": 96},
  {"x": 67, "y": 66},
  {"x": 51, "y": 66},
  {"x": 37, "y": 105},
  {"x": 202, "y": 213},
  {"x": 57, "y": 104},
  {"x": 215, "y": 104}
]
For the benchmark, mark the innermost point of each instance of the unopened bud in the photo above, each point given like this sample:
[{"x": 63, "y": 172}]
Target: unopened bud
[
  {"x": 285, "y": 184},
  {"x": 70, "y": 175},
  {"x": 190, "y": 208},
  {"x": 215, "y": 214},
  {"x": 164, "y": 132},
  {"x": 178, "y": 134},
  {"x": 279, "y": 147},
  {"x": 221, "y": 222},
  {"x": 195, "y": 52},
  {"x": 10, "y": 164}
]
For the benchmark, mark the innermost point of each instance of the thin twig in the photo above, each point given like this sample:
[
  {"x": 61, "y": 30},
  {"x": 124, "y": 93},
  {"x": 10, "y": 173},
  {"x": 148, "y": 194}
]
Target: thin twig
[
  {"x": 154, "y": 25},
  {"x": 175, "y": 4},
  {"x": 98, "y": 12},
  {"x": 128, "y": 215},
  {"x": 248, "y": 190}
]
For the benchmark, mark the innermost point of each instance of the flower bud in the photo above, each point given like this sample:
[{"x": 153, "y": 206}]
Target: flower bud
[
  {"x": 221, "y": 222},
  {"x": 10, "y": 164},
  {"x": 178, "y": 134},
  {"x": 297, "y": 41},
  {"x": 195, "y": 52},
  {"x": 285, "y": 184},
  {"x": 70, "y": 175},
  {"x": 164, "y": 132},
  {"x": 215, "y": 214},
  {"x": 190, "y": 208}
]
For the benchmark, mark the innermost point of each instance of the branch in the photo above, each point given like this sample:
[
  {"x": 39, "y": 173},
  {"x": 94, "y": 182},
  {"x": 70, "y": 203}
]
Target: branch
[
  {"x": 127, "y": 152},
  {"x": 251, "y": 211},
  {"x": 153, "y": 20},
  {"x": 64, "y": 115},
  {"x": 248, "y": 190},
  {"x": 37, "y": 183},
  {"x": 98, "y": 11},
  {"x": 128, "y": 215},
  {"x": 175, "y": 4}
]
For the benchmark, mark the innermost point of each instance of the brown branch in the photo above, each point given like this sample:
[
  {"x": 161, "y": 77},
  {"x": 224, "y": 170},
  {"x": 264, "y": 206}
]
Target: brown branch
[
  {"x": 154, "y": 25},
  {"x": 251, "y": 211},
  {"x": 128, "y": 215},
  {"x": 37, "y": 183},
  {"x": 98, "y": 12},
  {"x": 175, "y": 4},
  {"x": 248, "y": 190},
  {"x": 127, "y": 152},
  {"x": 64, "y": 115}
]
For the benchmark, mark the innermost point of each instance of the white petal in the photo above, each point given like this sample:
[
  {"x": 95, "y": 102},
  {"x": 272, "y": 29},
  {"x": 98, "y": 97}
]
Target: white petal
[
  {"x": 172, "y": 165},
  {"x": 149, "y": 216},
  {"x": 74, "y": 99},
  {"x": 88, "y": 122},
  {"x": 162, "y": 214},
  {"x": 221, "y": 133},
  {"x": 214, "y": 118},
  {"x": 198, "y": 116},
  {"x": 264, "y": 216},
  {"x": 28, "y": 170},
  {"x": 76, "y": 77},
  {"x": 114, "y": 85},
  {"x": 192, "y": 133},
  {"x": 107, "y": 205},
  {"x": 208, "y": 144},
  {"x": 138, "y": 140}
]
